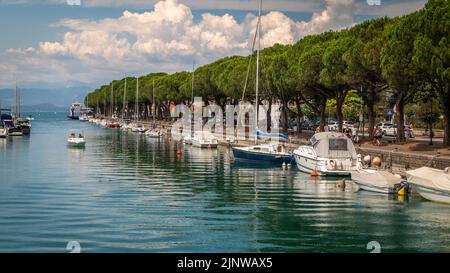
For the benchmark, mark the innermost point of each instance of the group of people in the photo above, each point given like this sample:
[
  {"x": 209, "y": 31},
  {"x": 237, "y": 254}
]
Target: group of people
[{"x": 377, "y": 133}]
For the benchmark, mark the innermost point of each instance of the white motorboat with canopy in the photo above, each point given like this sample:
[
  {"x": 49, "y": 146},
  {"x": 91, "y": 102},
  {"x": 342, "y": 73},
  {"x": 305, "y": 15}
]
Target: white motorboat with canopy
[
  {"x": 431, "y": 184},
  {"x": 330, "y": 153}
]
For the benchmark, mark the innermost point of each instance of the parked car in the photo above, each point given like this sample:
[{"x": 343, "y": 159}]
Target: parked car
[
  {"x": 333, "y": 126},
  {"x": 384, "y": 126},
  {"x": 392, "y": 131},
  {"x": 308, "y": 125}
]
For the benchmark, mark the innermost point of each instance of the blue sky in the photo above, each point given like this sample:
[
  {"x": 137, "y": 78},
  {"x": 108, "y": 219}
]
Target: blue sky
[{"x": 50, "y": 42}]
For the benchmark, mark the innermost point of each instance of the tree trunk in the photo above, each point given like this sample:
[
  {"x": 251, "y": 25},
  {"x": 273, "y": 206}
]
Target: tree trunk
[
  {"x": 371, "y": 112},
  {"x": 447, "y": 123},
  {"x": 339, "y": 115},
  {"x": 299, "y": 115},
  {"x": 400, "y": 118},
  {"x": 269, "y": 116},
  {"x": 323, "y": 110},
  {"x": 285, "y": 116},
  {"x": 340, "y": 100}
]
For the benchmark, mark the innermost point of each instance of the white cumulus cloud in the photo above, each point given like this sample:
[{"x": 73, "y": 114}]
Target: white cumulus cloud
[{"x": 166, "y": 38}]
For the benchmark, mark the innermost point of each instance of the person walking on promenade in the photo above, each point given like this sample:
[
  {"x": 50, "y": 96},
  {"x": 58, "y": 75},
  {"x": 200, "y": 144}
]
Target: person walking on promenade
[
  {"x": 377, "y": 135},
  {"x": 355, "y": 138}
]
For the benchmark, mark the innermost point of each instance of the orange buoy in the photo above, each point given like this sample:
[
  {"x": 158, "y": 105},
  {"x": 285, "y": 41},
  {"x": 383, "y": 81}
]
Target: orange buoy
[{"x": 315, "y": 173}]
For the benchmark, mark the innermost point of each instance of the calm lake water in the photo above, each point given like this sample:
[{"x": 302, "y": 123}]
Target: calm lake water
[{"x": 126, "y": 193}]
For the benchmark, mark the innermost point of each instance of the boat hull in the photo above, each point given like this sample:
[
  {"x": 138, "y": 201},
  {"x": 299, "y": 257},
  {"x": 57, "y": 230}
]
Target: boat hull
[
  {"x": 204, "y": 145},
  {"x": 308, "y": 165},
  {"x": 372, "y": 188},
  {"x": 26, "y": 130},
  {"x": 15, "y": 132},
  {"x": 249, "y": 155},
  {"x": 433, "y": 194}
]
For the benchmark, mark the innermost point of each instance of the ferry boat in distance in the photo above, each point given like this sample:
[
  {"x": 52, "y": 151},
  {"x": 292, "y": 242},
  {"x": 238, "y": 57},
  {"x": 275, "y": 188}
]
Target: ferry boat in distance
[{"x": 74, "y": 107}]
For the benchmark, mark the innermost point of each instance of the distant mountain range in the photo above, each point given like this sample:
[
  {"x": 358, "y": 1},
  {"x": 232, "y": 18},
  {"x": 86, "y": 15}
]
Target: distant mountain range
[{"x": 44, "y": 99}]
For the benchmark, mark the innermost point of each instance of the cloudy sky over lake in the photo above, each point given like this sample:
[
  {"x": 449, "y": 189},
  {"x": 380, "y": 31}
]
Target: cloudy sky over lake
[{"x": 52, "y": 42}]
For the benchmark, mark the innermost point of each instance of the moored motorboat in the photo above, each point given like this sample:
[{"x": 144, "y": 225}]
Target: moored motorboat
[
  {"x": 204, "y": 140},
  {"x": 25, "y": 125},
  {"x": 3, "y": 130},
  {"x": 139, "y": 129},
  {"x": 432, "y": 184},
  {"x": 153, "y": 133},
  {"x": 378, "y": 181},
  {"x": 272, "y": 152},
  {"x": 329, "y": 153}
]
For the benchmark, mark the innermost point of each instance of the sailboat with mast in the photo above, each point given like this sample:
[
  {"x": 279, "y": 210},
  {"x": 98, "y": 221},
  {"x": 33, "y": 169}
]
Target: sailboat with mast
[
  {"x": 138, "y": 127},
  {"x": 201, "y": 138},
  {"x": 273, "y": 152},
  {"x": 154, "y": 132},
  {"x": 19, "y": 126},
  {"x": 113, "y": 124}
]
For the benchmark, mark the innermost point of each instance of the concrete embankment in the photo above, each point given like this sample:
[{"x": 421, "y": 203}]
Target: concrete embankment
[{"x": 400, "y": 161}]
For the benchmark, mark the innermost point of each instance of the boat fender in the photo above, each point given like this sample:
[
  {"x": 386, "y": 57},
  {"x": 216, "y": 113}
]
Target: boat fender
[
  {"x": 332, "y": 164},
  {"x": 283, "y": 165},
  {"x": 402, "y": 188},
  {"x": 314, "y": 173},
  {"x": 341, "y": 184}
]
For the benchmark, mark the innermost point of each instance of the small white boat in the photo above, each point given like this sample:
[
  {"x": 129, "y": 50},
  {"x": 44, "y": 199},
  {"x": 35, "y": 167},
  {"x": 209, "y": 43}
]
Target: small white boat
[
  {"x": 330, "y": 153},
  {"x": 204, "y": 140},
  {"x": 83, "y": 118},
  {"x": 139, "y": 129},
  {"x": 187, "y": 139},
  {"x": 76, "y": 139},
  {"x": 377, "y": 181},
  {"x": 153, "y": 134},
  {"x": 431, "y": 184}
]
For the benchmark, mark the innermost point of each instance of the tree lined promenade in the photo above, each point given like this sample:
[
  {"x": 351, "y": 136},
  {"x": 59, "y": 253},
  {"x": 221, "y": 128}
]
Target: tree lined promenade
[{"x": 406, "y": 57}]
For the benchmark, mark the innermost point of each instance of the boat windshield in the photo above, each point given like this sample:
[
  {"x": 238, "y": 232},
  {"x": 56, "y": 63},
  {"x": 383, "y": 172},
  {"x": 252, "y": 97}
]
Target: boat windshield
[{"x": 337, "y": 144}]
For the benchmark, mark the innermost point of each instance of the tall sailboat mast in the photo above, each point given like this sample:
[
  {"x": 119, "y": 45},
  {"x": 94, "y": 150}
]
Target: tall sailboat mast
[
  {"x": 17, "y": 101},
  {"x": 192, "y": 101},
  {"x": 257, "y": 70},
  {"x": 136, "y": 109},
  {"x": 124, "y": 99},
  {"x": 154, "y": 105},
  {"x": 112, "y": 99}
]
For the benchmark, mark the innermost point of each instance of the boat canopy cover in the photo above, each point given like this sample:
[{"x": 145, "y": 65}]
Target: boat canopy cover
[
  {"x": 264, "y": 134},
  {"x": 381, "y": 179},
  {"x": 333, "y": 145},
  {"x": 6, "y": 117},
  {"x": 431, "y": 178}
]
